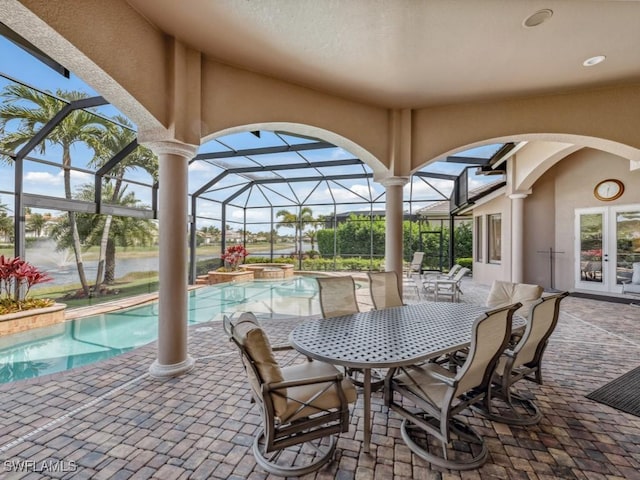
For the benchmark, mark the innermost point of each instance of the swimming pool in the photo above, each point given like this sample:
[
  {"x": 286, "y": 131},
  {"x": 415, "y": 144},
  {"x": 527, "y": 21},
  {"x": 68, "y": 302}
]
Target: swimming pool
[{"x": 87, "y": 340}]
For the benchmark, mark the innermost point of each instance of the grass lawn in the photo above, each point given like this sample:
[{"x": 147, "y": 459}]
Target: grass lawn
[{"x": 136, "y": 283}]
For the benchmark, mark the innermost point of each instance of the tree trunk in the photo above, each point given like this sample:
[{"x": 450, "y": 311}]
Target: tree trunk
[
  {"x": 110, "y": 263},
  {"x": 77, "y": 246},
  {"x": 105, "y": 237},
  {"x": 103, "y": 250},
  {"x": 77, "y": 250}
]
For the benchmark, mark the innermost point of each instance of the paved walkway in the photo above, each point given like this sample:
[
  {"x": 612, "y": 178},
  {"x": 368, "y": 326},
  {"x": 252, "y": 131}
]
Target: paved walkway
[{"x": 111, "y": 420}]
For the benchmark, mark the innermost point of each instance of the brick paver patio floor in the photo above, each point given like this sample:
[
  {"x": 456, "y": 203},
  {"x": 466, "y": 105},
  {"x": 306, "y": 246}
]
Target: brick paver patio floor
[{"x": 112, "y": 420}]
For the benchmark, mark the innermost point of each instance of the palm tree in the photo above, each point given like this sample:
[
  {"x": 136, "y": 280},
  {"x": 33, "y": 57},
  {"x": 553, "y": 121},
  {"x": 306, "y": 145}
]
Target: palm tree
[
  {"x": 312, "y": 234},
  {"x": 32, "y": 110},
  {"x": 35, "y": 223},
  {"x": 298, "y": 222},
  {"x": 6, "y": 223},
  {"x": 123, "y": 231},
  {"x": 114, "y": 139}
]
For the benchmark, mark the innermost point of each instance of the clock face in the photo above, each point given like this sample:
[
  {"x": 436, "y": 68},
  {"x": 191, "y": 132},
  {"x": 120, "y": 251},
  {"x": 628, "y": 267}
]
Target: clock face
[{"x": 609, "y": 189}]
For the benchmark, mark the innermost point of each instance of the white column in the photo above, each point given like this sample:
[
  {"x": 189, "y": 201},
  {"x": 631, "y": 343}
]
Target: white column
[
  {"x": 173, "y": 358},
  {"x": 393, "y": 219},
  {"x": 517, "y": 236}
]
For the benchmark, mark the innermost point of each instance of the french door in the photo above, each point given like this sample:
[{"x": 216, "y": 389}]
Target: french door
[{"x": 607, "y": 244}]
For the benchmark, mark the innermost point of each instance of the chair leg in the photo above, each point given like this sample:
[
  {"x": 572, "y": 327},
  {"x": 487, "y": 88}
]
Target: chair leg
[
  {"x": 508, "y": 407},
  {"x": 316, "y": 453},
  {"x": 471, "y": 456}
]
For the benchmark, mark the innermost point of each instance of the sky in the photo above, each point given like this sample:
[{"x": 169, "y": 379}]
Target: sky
[{"x": 47, "y": 179}]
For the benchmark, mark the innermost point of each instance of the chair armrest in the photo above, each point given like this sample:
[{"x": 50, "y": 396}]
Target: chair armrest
[
  {"x": 286, "y": 348},
  {"x": 447, "y": 380},
  {"x": 281, "y": 348},
  {"x": 337, "y": 378}
]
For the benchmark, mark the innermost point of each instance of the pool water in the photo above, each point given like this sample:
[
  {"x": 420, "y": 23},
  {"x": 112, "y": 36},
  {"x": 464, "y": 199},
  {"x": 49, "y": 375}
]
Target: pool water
[{"x": 87, "y": 340}]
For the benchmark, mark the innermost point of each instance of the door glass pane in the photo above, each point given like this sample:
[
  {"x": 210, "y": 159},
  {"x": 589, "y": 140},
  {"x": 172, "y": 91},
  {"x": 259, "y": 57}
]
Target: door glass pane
[
  {"x": 627, "y": 243},
  {"x": 591, "y": 247}
]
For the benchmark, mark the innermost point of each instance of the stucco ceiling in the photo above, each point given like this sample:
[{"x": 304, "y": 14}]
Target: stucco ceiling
[{"x": 412, "y": 53}]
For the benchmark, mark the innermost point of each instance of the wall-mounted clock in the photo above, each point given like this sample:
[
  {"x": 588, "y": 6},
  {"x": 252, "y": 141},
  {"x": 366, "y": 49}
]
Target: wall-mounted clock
[{"x": 609, "y": 189}]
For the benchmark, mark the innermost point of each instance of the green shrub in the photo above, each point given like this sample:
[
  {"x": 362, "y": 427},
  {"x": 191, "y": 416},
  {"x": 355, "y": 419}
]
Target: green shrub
[
  {"x": 208, "y": 265},
  {"x": 465, "y": 262}
]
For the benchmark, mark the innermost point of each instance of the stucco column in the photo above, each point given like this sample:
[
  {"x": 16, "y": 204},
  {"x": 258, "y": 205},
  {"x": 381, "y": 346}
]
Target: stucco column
[
  {"x": 394, "y": 213},
  {"x": 517, "y": 236},
  {"x": 173, "y": 358}
]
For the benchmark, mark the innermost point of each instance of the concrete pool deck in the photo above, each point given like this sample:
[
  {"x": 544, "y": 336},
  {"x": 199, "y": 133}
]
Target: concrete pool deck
[{"x": 112, "y": 420}]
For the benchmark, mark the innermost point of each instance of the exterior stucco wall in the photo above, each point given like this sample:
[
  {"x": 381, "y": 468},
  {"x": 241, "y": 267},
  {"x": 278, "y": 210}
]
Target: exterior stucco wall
[
  {"x": 605, "y": 119},
  {"x": 539, "y": 233},
  {"x": 485, "y": 272},
  {"x": 234, "y": 97},
  {"x": 109, "y": 45},
  {"x": 574, "y": 180},
  {"x": 549, "y": 217}
]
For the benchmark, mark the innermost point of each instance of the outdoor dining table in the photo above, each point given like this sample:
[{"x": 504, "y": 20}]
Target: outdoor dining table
[{"x": 388, "y": 338}]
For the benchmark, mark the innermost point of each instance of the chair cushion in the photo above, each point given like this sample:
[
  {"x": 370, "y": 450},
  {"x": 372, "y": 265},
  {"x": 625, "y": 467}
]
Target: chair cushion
[
  {"x": 327, "y": 400},
  {"x": 506, "y": 293},
  {"x": 635, "y": 278},
  {"x": 251, "y": 336}
]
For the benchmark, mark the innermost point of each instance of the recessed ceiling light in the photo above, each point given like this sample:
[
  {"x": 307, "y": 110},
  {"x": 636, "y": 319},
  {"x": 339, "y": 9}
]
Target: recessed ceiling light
[
  {"x": 590, "y": 62},
  {"x": 537, "y": 18}
]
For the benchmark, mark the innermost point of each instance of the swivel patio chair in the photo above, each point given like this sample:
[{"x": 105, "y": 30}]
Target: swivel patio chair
[
  {"x": 383, "y": 287},
  {"x": 450, "y": 288},
  {"x": 303, "y": 406},
  {"x": 337, "y": 296},
  {"x": 439, "y": 395},
  {"x": 506, "y": 293},
  {"x": 522, "y": 362}
]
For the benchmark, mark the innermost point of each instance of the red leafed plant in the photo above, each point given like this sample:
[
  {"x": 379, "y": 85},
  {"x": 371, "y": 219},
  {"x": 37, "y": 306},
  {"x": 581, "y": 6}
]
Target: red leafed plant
[
  {"x": 233, "y": 256},
  {"x": 16, "y": 279}
]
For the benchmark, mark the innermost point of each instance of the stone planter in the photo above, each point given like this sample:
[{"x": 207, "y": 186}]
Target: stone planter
[
  {"x": 269, "y": 271},
  {"x": 34, "y": 318},
  {"x": 222, "y": 277}
]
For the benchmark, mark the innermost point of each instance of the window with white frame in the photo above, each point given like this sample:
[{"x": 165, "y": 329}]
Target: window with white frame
[
  {"x": 479, "y": 239},
  {"x": 494, "y": 228}
]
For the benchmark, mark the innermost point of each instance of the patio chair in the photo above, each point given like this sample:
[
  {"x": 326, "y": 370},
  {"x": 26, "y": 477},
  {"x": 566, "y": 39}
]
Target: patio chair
[
  {"x": 384, "y": 290},
  {"x": 422, "y": 287},
  {"x": 506, "y": 293},
  {"x": 429, "y": 279},
  {"x": 633, "y": 286},
  {"x": 522, "y": 362},
  {"x": 303, "y": 406},
  {"x": 415, "y": 265},
  {"x": 449, "y": 287},
  {"x": 439, "y": 395},
  {"x": 337, "y": 296}
]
